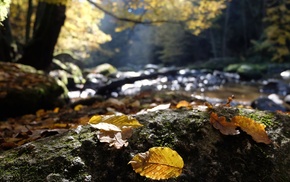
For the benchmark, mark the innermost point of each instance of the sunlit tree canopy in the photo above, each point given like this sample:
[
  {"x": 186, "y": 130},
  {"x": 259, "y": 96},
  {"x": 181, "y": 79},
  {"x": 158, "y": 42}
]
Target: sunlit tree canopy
[
  {"x": 4, "y": 6},
  {"x": 81, "y": 33},
  {"x": 196, "y": 14},
  {"x": 277, "y": 32}
]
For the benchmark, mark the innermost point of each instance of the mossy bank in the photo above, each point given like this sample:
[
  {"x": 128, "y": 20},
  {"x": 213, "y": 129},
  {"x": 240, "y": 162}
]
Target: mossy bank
[{"x": 208, "y": 155}]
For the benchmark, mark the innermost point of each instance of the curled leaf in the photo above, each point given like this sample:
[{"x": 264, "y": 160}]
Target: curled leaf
[
  {"x": 158, "y": 163},
  {"x": 118, "y": 139},
  {"x": 225, "y": 127},
  {"x": 256, "y": 130},
  {"x": 113, "y": 129}
]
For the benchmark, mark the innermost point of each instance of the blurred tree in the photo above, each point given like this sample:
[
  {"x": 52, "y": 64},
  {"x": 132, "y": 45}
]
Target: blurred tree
[
  {"x": 233, "y": 31},
  {"x": 4, "y": 6},
  {"x": 37, "y": 50},
  {"x": 197, "y": 15},
  {"x": 169, "y": 39},
  {"x": 81, "y": 33},
  {"x": 276, "y": 37},
  {"x": 5, "y": 36},
  {"x": 42, "y": 29},
  {"x": 36, "y": 33}
]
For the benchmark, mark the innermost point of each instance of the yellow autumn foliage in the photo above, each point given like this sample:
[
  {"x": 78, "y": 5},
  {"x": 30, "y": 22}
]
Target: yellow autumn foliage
[
  {"x": 119, "y": 121},
  {"x": 81, "y": 33},
  {"x": 196, "y": 14},
  {"x": 158, "y": 163},
  {"x": 60, "y": 2},
  {"x": 277, "y": 31},
  {"x": 4, "y": 7}
]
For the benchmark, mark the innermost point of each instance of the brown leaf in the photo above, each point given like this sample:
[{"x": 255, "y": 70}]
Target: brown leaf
[{"x": 225, "y": 127}]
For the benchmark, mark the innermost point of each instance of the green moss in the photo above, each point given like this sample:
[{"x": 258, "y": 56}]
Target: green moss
[{"x": 267, "y": 118}]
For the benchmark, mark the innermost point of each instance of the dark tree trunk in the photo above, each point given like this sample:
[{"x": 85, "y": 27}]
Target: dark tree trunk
[
  {"x": 39, "y": 50},
  {"x": 6, "y": 50}
]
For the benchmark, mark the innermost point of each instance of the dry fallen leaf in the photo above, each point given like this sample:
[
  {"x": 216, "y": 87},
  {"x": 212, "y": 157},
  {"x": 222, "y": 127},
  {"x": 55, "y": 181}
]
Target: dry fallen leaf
[
  {"x": 106, "y": 127},
  {"x": 158, "y": 163},
  {"x": 159, "y": 107},
  {"x": 118, "y": 139},
  {"x": 183, "y": 103},
  {"x": 78, "y": 107},
  {"x": 225, "y": 127},
  {"x": 256, "y": 130},
  {"x": 113, "y": 129},
  {"x": 119, "y": 121}
]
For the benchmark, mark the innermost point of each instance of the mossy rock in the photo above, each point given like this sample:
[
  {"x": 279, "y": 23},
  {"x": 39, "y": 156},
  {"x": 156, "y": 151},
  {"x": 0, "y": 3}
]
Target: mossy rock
[
  {"x": 23, "y": 89},
  {"x": 215, "y": 63},
  {"x": 66, "y": 72},
  {"x": 208, "y": 155},
  {"x": 105, "y": 69},
  {"x": 248, "y": 71}
]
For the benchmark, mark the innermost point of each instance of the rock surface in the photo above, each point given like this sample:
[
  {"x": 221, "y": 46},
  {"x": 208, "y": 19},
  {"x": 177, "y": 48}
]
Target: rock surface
[
  {"x": 208, "y": 155},
  {"x": 23, "y": 89}
]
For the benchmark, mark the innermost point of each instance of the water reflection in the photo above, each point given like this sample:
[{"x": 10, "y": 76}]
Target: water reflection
[{"x": 244, "y": 92}]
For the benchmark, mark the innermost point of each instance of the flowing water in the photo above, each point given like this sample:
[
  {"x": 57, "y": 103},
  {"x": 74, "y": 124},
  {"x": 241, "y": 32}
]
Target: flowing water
[{"x": 244, "y": 93}]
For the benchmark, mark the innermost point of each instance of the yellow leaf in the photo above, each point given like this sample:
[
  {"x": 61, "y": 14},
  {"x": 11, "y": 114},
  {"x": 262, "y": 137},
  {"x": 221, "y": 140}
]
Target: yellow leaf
[
  {"x": 158, "y": 163},
  {"x": 95, "y": 119},
  {"x": 56, "y": 110},
  {"x": 183, "y": 103},
  {"x": 256, "y": 130},
  {"x": 119, "y": 121},
  {"x": 60, "y": 125},
  {"x": 78, "y": 107},
  {"x": 40, "y": 112}
]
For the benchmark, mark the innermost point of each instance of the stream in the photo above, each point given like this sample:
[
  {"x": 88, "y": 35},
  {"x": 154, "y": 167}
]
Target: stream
[
  {"x": 244, "y": 93},
  {"x": 212, "y": 86}
]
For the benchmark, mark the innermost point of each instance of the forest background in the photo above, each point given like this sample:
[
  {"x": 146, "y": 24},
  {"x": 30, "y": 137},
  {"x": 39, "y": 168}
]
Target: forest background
[{"x": 134, "y": 33}]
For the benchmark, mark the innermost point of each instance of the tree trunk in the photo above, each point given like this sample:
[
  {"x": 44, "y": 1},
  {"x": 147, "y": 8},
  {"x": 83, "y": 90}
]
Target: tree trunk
[
  {"x": 224, "y": 41},
  {"x": 6, "y": 50},
  {"x": 39, "y": 50},
  {"x": 28, "y": 21}
]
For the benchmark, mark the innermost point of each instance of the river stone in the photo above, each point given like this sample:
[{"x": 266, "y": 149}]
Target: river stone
[
  {"x": 23, "y": 90},
  {"x": 69, "y": 73},
  {"x": 208, "y": 155},
  {"x": 104, "y": 69},
  {"x": 267, "y": 104}
]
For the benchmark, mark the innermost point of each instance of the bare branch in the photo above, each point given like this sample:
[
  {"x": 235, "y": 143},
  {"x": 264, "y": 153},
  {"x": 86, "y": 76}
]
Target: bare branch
[{"x": 137, "y": 21}]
